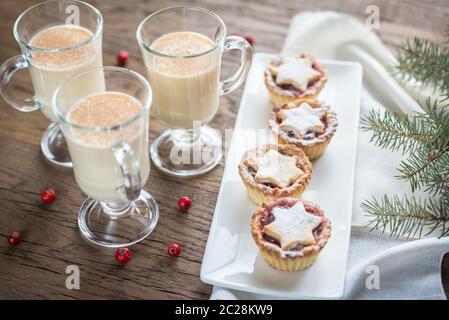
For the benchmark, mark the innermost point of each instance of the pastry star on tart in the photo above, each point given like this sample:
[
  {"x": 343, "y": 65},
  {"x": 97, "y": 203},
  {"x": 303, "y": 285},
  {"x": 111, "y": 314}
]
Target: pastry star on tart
[
  {"x": 272, "y": 172},
  {"x": 290, "y": 233},
  {"x": 306, "y": 124},
  {"x": 293, "y": 77}
]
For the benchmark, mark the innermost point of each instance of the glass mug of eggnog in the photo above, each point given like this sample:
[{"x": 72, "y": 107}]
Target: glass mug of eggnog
[
  {"x": 57, "y": 39},
  {"x": 182, "y": 49},
  {"x": 106, "y": 131}
]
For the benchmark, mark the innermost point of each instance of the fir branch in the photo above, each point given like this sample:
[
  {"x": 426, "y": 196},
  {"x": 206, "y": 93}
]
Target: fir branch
[
  {"x": 424, "y": 136},
  {"x": 395, "y": 132},
  {"x": 438, "y": 183},
  {"x": 408, "y": 216},
  {"x": 437, "y": 180},
  {"x": 427, "y": 166},
  {"x": 437, "y": 116},
  {"x": 427, "y": 62},
  {"x": 415, "y": 168}
]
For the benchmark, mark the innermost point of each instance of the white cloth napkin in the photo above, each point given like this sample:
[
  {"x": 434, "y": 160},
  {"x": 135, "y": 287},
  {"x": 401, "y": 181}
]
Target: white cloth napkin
[{"x": 407, "y": 269}]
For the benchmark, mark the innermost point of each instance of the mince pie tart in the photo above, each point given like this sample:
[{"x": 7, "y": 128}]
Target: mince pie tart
[
  {"x": 272, "y": 172},
  {"x": 290, "y": 233},
  {"x": 306, "y": 124},
  {"x": 292, "y": 77}
]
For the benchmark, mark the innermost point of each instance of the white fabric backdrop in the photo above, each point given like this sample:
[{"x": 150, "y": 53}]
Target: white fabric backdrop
[{"x": 407, "y": 269}]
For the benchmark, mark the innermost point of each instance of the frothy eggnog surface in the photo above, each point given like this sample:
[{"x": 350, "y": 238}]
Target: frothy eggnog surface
[
  {"x": 58, "y": 37},
  {"x": 49, "y": 69},
  {"x": 102, "y": 110},
  {"x": 185, "y": 82},
  {"x": 182, "y": 44}
]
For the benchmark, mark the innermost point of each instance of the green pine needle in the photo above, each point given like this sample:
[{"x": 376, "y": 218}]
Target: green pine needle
[
  {"x": 396, "y": 132},
  {"x": 423, "y": 139},
  {"x": 426, "y": 61},
  {"x": 408, "y": 216}
]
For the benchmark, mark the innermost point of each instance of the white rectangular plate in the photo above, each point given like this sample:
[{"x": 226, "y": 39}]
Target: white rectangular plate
[{"x": 231, "y": 258}]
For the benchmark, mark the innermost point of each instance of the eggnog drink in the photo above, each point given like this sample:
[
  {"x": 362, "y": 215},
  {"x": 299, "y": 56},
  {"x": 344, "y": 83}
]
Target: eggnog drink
[
  {"x": 184, "y": 90},
  {"x": 95, "y": 167},
  {"x": 50, "y": 68}
]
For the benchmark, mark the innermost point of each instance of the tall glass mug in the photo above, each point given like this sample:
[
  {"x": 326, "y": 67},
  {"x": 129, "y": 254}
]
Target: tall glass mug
[
  {"x": 106, "y": 130},
  {"x": 57, "y": 39},
  {"x": 182, "y": 49}
]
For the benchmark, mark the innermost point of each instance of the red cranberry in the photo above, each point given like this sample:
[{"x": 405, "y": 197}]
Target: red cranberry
[
  {"x": 174, "y": 249},
  {"x": 48, "y": 195},
  {"x": 184, "y": 203},
  {"x": 250, "y": 40},
  {"x": 123, "y": 255},
  {"x": 122, "y": 57},
  {"x": 14, "y": 238}
]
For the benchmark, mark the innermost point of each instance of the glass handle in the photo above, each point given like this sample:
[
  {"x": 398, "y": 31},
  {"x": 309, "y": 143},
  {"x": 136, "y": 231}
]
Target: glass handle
[
  {"x": 129, "y": 166},
  {"x": 246, "y": 57},
  {"x": 8, "y": 68}
]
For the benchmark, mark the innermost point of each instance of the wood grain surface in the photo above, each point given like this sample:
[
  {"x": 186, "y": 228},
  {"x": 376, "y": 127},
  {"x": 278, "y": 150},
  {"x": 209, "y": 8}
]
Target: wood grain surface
[{"x": 51, "y": 239}]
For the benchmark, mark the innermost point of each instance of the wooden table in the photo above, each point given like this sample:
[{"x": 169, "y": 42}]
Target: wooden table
[{"x": 51, "y": 239}]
